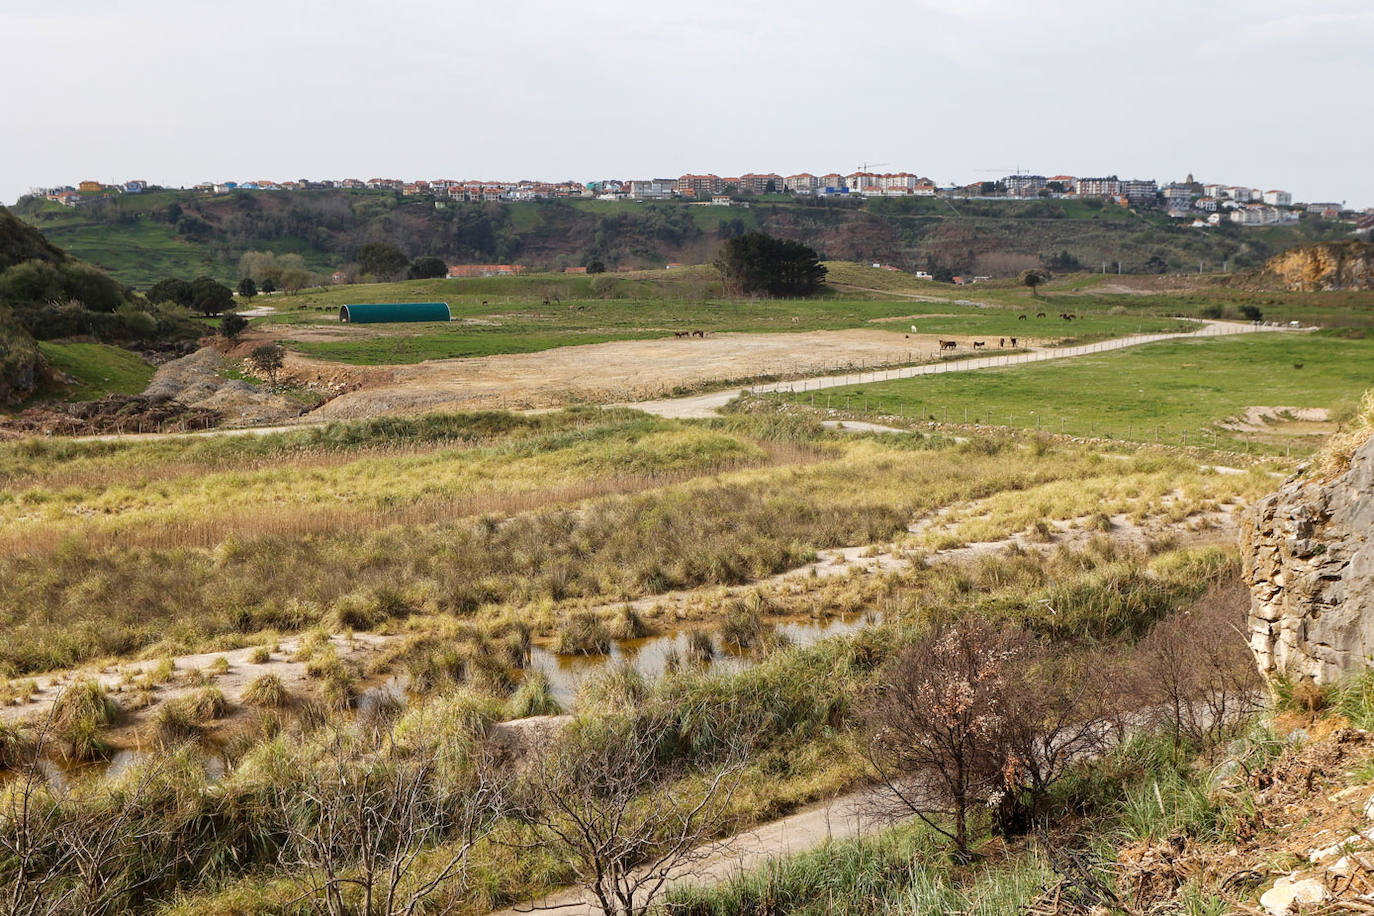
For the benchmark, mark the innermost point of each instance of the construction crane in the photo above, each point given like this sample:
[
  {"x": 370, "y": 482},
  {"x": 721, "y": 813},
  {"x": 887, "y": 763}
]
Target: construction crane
[{"x": 865, "y": 166}]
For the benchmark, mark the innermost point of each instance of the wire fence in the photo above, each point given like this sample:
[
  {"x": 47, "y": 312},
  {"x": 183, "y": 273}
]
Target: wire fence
[
  {"x": 813, "y": 392},
  {"x": 899, "y": 411}
]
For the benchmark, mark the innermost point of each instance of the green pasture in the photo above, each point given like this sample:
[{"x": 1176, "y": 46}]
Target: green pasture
[
  {"x": 99, "y": 369},
  {"x": 1175, "y": 391}
]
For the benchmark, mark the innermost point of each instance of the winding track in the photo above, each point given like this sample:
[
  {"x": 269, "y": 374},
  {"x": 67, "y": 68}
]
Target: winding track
[{"x": 706, "y": 405}]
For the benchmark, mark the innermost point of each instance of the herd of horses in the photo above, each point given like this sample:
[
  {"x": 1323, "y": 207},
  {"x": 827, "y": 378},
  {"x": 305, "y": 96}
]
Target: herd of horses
[
  {"x": 977, "y": 344},
  {"x": 701, "y": 334}
]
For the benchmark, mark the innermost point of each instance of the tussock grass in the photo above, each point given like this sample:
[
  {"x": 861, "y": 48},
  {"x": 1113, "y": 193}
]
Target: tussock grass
[
  {"x": 534, "y": 697},
  {"x": 1334, "y": 458},
  {"x": 268, "y": 691},
  {"x": 583, "y": 633}
]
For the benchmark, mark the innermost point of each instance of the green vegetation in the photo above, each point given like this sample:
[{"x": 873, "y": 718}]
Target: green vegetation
[
  {"x": 99, "y": 369},
  {"x": 1183, "y": 388},
  {"x": 142, "y": 238}
]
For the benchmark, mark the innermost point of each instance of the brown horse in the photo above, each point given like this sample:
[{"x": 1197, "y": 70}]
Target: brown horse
[{"x": 948, "y": 344}]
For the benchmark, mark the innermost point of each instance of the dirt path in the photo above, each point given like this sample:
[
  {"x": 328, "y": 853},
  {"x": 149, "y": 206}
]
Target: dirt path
[
  {"x": 715, "y": 863},
  {"x": 625, "y": 370},
  {"x": 706, "y": 405}
]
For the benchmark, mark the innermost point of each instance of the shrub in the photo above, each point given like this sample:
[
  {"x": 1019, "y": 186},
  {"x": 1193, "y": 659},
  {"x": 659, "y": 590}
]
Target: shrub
[
  {"x": 85, "y": 702},
  {"x": 260, "y": 655}
]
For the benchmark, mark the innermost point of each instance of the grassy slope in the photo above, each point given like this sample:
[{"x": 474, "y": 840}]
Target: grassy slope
[
  {"x": 99, "y": 369},
  {"x": 137, "y": 244},
  {"x": 1181, "y": 387}
]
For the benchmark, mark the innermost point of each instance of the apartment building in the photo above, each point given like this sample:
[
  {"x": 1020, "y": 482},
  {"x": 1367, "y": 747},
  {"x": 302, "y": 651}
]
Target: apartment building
[{"x": 1110, "y": 186}]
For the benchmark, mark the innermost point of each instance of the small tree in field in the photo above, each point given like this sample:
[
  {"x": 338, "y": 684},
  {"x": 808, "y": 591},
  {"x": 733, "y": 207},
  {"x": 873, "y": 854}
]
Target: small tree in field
[
  {"x": 247, "y": 288},
  {"x": 609, "y": 801},
  {"x": 1034, "y": 277},
  {"x": 268, "y": 358},
  {"x": 937, "y": 723},
  {"x": 231, "y": 325},
  {"x": 756, "y": 263}
]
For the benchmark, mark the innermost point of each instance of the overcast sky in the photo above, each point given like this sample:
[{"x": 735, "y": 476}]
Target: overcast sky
[{"x": 1256, "y": 92}]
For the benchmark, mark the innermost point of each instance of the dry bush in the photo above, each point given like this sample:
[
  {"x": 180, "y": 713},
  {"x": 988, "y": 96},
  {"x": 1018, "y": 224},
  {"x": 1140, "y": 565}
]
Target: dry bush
[
  {"x": 622, "y": 813},
  {"x": 1195, "y": 673},
  {"x": 1335, "y": 456},
  {"x": 935, "y": 726}
]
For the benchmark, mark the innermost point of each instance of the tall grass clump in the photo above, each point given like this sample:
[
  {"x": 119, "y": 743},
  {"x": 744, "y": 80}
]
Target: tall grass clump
[
  {"x": 583, "y": 633},
  {"x": 534, "y": 697},
  {"x": 1335, "y": 457},
  {"x": 267, "y": 691},
  {"x": 79, "y": 716}
]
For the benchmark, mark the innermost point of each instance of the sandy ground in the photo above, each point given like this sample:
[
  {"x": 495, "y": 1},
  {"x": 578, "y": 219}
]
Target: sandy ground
[
  {"x": 838, "y": 819},
  {"x": 621, "y": 370},
  {"x": 1260, "y": 419}
]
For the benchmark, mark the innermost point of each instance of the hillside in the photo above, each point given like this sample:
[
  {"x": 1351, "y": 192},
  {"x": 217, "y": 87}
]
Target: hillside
[{"x": 142, "y": 238}]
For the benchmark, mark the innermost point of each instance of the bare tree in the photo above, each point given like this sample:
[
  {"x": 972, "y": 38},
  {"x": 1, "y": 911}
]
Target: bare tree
[
  {"x": 357, "y": 826},
  {"x": 611, "y": 801},
  {"x": 936, "y": 726},
  {"x": 1060, "y": 712},
  {"x": 1195, "y": 672},
  {"x": 62, "y": 852}
]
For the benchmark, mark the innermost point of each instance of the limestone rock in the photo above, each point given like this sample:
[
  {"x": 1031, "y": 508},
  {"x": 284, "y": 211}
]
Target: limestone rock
[
  {"x": 1279, "y": 900},
  {"x": 1309, "y": 562},
  {"x": 1326, "y": 265}
]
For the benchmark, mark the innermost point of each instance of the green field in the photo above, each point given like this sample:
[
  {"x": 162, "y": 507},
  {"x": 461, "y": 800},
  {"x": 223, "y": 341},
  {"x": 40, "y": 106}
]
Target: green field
[
  {"x": 1178, "y": 390},
  {"x": 510, "y": 315},
  {"x": 98, "y": 368}
]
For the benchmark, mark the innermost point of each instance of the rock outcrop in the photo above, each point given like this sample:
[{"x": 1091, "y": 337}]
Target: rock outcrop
[
  {"x": 196, "y": 382},
  {"x": 1309, "y": 561},
  {"x": 1325, "y": 266}
]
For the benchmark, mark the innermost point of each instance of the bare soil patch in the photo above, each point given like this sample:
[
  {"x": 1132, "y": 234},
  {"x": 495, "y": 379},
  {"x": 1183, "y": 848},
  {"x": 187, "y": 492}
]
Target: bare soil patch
[
  {"x": 1273, "y": 419},
  {"x": 629, "y": 370}
]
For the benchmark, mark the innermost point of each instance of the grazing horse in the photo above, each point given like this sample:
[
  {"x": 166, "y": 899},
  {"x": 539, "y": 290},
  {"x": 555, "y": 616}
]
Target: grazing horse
[
  {"x": 679, "y": 333},
  {"x": 948, "y": 344},
  {"x": 913, "y": 329},
  {"x": 978, "y": 345},
  {"x": 1039, "y": 314},
  {"x": 1001, "y": 342},
  {"x": 701, "y": 334},
  {"x": 1020, "y": 317},
  {"x": 1013, "y": 341}
]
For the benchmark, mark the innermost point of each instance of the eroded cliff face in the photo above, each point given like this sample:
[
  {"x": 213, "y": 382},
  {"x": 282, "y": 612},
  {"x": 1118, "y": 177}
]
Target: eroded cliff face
[
  {"x": 1329, "y": 265},
  {"x": 1309, "y": 561}
]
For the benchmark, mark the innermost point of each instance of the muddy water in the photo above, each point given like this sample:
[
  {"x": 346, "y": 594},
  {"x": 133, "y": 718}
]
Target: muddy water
[
  {"x": 566, "y": 673},
  {"x": 650, "y": 656}
]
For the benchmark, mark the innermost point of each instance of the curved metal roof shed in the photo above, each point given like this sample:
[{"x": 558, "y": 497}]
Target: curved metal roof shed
[{"x": 377, "y": 313}]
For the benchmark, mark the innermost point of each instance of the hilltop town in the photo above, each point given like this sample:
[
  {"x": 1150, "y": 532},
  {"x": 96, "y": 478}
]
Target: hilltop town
[{"x": 1204, "y": 203}]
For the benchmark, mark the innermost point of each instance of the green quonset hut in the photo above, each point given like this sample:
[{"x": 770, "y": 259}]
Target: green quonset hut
[{"x": 376, "y": 313}]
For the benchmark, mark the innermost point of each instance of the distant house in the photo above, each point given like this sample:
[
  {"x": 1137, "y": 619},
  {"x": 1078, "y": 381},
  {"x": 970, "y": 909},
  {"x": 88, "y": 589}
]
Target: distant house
[
  {"x": 574, "y": 270},
  {"x": 135, "y": 187},
  {"x": 1110, "y": 186},
  {"x": 1276, "y": 198},
  {"x": 721, "y": 200},
  {"x": 90, "y": 187}
]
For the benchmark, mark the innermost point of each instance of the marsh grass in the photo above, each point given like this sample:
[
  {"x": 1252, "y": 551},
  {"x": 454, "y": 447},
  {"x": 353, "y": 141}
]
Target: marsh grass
[
  {"x": 267, "y": 690},
  {"x": 534, "y": 697},
  {"x": 583, "y": 633}
]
